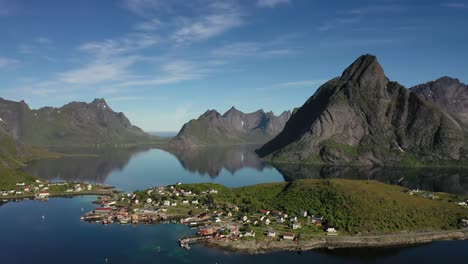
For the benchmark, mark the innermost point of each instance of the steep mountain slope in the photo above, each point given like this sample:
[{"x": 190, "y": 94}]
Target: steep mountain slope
[
  {"x": 363, "y": 118},
  {"x": 234, "y": 127},
  {"x": 76, "y": 123},
  {"x": 449, "y": 94}
]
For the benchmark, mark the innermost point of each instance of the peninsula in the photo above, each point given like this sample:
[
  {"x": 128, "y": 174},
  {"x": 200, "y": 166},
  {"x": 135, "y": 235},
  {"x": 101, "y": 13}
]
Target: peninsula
[{"x": 300, "y": 215}]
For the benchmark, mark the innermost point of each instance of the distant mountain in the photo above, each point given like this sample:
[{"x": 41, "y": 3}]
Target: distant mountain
[
  {"x": 76, "y": 123},
  {"x": 234, "y": 127},
  {"x": 364, "y": 118},
  {"x": 449, "y": 94}
]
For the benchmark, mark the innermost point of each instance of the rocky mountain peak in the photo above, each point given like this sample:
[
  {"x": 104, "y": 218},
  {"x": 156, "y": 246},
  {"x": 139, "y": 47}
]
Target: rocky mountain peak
[
  {"x": 365, "y": 71},
  {"x": 231, "y": 112}
]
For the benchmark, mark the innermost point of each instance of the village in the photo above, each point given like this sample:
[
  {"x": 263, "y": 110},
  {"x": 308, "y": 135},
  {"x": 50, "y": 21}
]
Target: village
[
  {"x": 196, "y": 210},
  {"x": 42, "y": 190}
]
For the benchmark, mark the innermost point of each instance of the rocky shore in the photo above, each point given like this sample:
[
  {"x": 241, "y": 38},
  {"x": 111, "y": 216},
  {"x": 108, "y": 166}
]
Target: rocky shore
[{"x": 265, "y": 246}]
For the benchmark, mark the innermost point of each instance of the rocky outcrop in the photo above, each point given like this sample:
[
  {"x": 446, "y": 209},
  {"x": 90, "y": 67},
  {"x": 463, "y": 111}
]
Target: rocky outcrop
[
  {"x": 76, "y": 123},
  {"x": 364, "y": 118},
  {"x": 449, "y": 94},
  {"x": 232, "y": 128}
]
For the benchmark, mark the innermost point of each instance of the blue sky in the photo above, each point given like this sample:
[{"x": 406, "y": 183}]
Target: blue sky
[{"x": 165, "y": 62}]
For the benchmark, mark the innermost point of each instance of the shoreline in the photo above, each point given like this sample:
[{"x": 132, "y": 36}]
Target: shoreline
[
  {"x": 109, "y": 191},
  {"x": 331, "y": 242}
]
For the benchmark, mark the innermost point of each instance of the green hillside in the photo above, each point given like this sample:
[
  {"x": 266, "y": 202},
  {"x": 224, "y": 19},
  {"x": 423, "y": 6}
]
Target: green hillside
[{"x": 352, "y": 206}]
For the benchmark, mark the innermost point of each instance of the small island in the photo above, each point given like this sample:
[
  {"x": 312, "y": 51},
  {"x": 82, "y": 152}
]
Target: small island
[{"x": 298, "y": 215}]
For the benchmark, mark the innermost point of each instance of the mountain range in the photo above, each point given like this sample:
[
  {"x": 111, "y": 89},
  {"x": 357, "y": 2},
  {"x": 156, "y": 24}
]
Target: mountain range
[
  {"x": 232, "y": 128},
  {"x": 76, "y": 123},
  {"x": 364, "y": 118},
  {"x": 449, "y": 94}
]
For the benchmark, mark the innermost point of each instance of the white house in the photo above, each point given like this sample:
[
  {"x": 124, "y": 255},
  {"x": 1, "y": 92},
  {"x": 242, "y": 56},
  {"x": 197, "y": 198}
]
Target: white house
[
  {"x": 43, "y": 194},
  {"x": 174, "y": 204},
  {"x": 185, "y": 202},
  {"x": 213, "y": 191},
  {"x": 89, "y": 187},
  {"x": 270, "y": 233},
  {"x": 250, "y": 234},
  {"x": 195, "y": 202},
  {"x": 149, "y": 200},
  {"x": 288, "y": 236},
  {"x": 296, "y": 226},
  {"x": 166, "y": 203},
  {"x": 303, "y": 213},
  {"x": 331, "y": 230}
]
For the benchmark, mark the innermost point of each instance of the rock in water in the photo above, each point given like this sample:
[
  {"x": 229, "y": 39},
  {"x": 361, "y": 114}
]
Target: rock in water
[{"x": 364, "y": 118}]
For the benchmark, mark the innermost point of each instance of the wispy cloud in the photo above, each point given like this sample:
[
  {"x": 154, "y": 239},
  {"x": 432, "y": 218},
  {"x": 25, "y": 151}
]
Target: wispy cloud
[
  {"x": 271, "y": 3},
  {"x": 455, "y": 5},
  {"x": 206, "y": 27},
  {"x": 149, "y": 25},
  {"x": 208, "y": 18},
  {"x": 303, "y": 83},
  {"x": 172, "y": 71},
  {"x": 8, "y": 63},
  {"x": 375, "y": 9},
  {"x": 113, "y": 47},
  {"x": 43, "y": 40},
  {"x": 248, "y": 49},
  {"x": 98, "y": 72},
  {"x": 338, "y": 22}
]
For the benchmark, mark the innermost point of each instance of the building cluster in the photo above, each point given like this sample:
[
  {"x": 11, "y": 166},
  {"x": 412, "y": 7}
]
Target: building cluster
[
  {"x": 195, "y": 210},
  {"x": 41, "y": 190}
]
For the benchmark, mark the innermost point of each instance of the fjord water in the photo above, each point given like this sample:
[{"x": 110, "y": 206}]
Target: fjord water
[{"x": 62, "y": 238}]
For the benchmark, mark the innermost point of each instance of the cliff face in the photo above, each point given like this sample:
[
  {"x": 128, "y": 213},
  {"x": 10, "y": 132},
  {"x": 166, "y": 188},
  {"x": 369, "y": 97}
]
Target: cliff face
[
  {"x": 234, "y": 127},
  {"x": 11, "y": 151},
  {"x": 449, "y": 94},
  {"x": 76, "y": 123},
  {"x": 364, "y": 118}
]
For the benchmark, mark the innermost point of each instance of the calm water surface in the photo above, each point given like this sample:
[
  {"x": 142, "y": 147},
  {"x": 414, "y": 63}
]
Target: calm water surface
[{"x": 62, "y": 238}]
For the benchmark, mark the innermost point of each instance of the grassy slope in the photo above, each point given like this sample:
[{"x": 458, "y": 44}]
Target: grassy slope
[{"x": 350, "y": 205}]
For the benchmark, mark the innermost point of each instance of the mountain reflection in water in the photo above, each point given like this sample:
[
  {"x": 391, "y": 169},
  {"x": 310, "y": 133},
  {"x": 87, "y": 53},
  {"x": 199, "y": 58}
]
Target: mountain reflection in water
[
  {"x": 91, "y": 168},
  {"x": 211, "y": 160},
  {"x": 186, "y": 165}
]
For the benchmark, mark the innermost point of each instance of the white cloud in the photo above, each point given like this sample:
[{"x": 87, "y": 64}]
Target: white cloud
[
  {"x": 98, "y": 72},
  {"x": 206, "y": 27},
  {"x": 271, "y": 3},
  {"x": 149, "y": 25},
  {"x": 303, "y": 83},
  {"x": 142, "y": 7},
  {"x": 8, "y": 63},
  {"x": 373, "y": 9},
  {"x": 455, "y": 5},
  {"x": 43, "y": 40},
  {"x": 173, "y": 71},
  {"x": 248, "y": 49},
  {"x": 113, "y": 47}
]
